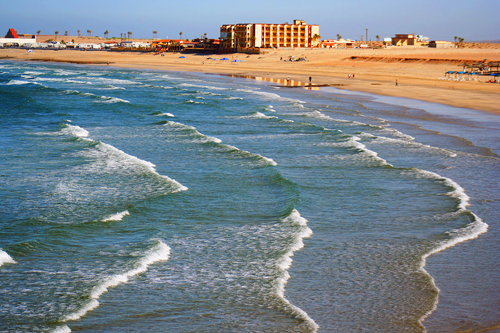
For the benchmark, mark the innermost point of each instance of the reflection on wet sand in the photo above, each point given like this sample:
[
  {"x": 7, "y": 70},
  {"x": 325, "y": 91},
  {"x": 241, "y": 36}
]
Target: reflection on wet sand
[{"x": 285, "y": 83}]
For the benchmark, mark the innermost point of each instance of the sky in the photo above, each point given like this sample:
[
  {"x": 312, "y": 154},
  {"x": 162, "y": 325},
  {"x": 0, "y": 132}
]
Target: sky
[{"x": 473, "y": 20}]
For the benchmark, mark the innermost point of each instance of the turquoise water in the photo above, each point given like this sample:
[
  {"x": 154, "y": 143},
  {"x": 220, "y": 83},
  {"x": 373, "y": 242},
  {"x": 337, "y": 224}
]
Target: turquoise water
[{"x": 147, "y": 201}]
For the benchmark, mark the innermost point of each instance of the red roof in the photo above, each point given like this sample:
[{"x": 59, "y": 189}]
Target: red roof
[{"x": 11, "y": 34}]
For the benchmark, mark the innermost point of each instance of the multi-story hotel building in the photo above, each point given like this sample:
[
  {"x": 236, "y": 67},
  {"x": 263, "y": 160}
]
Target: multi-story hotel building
[{"x": 248, "y": 35}]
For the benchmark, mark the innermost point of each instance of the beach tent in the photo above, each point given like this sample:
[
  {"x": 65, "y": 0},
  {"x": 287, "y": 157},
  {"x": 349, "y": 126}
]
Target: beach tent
[
  {"x": 237, "y": 60},
  {"x": 182, "y": 57}
]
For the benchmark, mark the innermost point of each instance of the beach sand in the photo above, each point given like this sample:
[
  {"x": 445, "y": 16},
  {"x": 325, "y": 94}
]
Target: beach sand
[{"x": 416, "y": 69}]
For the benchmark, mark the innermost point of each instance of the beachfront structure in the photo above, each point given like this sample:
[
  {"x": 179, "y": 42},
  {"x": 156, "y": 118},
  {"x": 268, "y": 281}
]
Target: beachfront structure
[
  {"x": 441, "y": 44},
  {"x": 409, "y": 39},
  {"x": 258, "y": 35},
  {"x": 12, "y": 38}
]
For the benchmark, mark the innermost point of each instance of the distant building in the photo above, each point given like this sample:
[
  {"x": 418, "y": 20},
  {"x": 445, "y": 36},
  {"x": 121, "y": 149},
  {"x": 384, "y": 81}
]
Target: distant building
[
  {"x": 12, "y": 38},
  {"x": 441, "y": 44},
  {"x": 409, "y": 39},
  {"x": 259, "y": 35}
]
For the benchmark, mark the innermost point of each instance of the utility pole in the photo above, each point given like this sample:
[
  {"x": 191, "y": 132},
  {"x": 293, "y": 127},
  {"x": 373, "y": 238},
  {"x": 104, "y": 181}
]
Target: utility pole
[{"x": 366, "y": 35}]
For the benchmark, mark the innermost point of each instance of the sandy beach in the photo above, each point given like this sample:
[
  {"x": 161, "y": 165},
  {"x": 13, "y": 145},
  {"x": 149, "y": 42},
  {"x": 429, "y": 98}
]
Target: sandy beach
[{"x": 416, "y": 69}]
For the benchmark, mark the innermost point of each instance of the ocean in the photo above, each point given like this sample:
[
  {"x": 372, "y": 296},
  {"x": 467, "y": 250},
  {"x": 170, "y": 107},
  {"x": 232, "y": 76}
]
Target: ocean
[{"x": 155, "y": 201}]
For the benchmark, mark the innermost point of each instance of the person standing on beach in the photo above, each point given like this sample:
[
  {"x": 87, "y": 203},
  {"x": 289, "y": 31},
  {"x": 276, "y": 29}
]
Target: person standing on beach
[
  {"x": 310, "y": 79},
  {"x": 396, "y": 81}
]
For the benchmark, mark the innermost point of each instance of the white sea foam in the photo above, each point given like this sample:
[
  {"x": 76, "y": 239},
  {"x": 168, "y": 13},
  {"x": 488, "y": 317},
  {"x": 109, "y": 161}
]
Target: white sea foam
[
  {"x": 258, "y": 115},
  {"x": 303, "y": 231},
  {"x": 5, "y": 258},
  {"x": 106, "y": 99},
  {"x": 62, "y": 329},
  {"x": 408, "y": 142},
  {"x": 267, "y": 161},
  {"x": 129, "y": 159},
  {"x": 201, "y": 138},
  {"x": 75, "y": 131},
  {"x": 165, "y": 115},
  {"x": 271, "y": 96},
  {"x": 194, "y": 102},
  {"x": 202, "y": 86},
  {"x": 160, "y": 252},
  {"x": 119, "y": 155},
  {"x": 471, "y": 231},
  {"x": 354, "y": 143},
  {"x": 20, "y": 82},
  {"x": 457, "y": 191},
  {"x": 115, "y": 81},
  {"x": 116, "y": 217}
]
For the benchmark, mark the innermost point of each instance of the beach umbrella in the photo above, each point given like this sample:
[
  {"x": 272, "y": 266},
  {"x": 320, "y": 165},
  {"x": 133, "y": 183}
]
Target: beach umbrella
[
  {"x": 182, "y": 57},
  {"x": 236, "y": 60},
  {"x": 224, "y": 59}
]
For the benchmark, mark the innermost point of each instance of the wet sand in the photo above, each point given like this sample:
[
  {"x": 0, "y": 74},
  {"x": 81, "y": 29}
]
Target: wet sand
[{"x": 416, "y": 69}]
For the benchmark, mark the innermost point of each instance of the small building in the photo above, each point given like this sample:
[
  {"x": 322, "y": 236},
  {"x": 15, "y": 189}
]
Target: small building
[
  {"x": 409, "y": 40},
  {"x": 13, "y": 39},
  {"x": 441, "y": 44}
]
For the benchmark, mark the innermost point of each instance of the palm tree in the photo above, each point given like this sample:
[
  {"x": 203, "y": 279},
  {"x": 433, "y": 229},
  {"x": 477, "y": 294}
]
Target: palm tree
[
  {"x": 89, "y": 33},
  {"x": 339, "y": 37},
  {"x": 456, "y": 39},
  {"x": 57, "y": 33},
  {"x": 78, "y": 33},
  {"x": 155, "y": 34},
  {"x": 66, "y": 33},
  {"x": 180, "y": 34},
  {"x": 129, "y": 34},
  {"x": 378, "y": 38},
  {"x": 106, "y": 33},
  {"x": 315, "y": 39},
  {"x": 205, "y": 35},
  {"x": 38, "y": 32}
]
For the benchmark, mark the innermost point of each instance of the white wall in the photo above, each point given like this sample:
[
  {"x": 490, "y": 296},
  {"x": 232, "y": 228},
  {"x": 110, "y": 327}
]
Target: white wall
[{"x": 19, "y": 41}]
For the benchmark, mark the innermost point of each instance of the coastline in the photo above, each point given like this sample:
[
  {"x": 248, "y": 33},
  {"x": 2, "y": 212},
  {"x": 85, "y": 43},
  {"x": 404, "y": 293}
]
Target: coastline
[{"x": 375, "y": 71}]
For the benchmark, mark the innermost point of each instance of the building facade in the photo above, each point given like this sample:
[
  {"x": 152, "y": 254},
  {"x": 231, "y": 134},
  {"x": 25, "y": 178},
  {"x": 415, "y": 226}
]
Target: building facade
[
  {"x": 258, "y": 35},
  {"x": 409, "y": 39}
]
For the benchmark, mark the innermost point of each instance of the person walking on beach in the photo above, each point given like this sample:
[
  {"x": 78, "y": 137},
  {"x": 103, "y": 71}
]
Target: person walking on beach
[
  {"x": 396, "y": 81},
  {"x": 310, "y": 79}
]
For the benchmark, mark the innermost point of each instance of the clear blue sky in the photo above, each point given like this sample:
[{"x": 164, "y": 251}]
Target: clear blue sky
[{"x": 437, "y": 19}]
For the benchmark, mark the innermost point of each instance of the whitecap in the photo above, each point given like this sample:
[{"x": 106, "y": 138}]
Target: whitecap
[
  {"x": 160, "y": 252},
  {"x": 76, "y": 131},
  {"x": 116, "y": 217},
  {"x": 165, "y": 115},
  {"x": 62, "y": 329},
  {"x": 5, "y": 258},
  {"x": 19, "y": 82},
  {"x": 106, "y": 99},
  {"x": 258, "y": 115}
]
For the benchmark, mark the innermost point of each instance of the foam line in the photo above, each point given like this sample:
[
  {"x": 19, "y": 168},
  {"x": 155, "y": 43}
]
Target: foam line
[
  {"x": 294, "y": 219},
  {"x": 471, "y": 231},
  {"x": 5, "y": 258},
  {"x": 79, "y": 132},
  {"x": 160, "y": 252}
]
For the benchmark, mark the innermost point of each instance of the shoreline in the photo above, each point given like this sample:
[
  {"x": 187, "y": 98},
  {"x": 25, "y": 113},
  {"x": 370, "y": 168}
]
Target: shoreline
[{"x": 326, "y": 68}]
